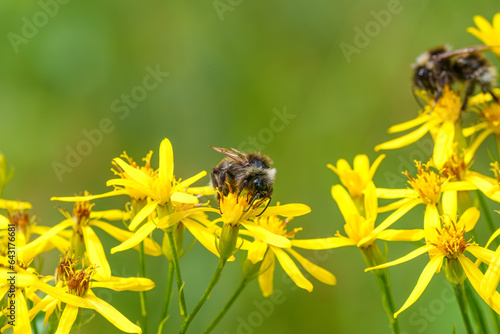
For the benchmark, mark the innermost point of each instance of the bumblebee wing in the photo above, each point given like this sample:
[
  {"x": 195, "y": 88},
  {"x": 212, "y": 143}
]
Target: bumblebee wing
[
  {"x": 459, "y": 52},
  {"x": 233, "y": 155}
]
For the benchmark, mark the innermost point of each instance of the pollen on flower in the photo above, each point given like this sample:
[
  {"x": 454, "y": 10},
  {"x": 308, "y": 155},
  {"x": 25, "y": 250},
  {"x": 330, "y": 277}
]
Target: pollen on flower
[
  {"x": 81, "y": 212},
  {"x": 451, "y": 240},
  {"x": 66, "y": 267},
  {"x": 448, "y": 107},
  {"x": 427, "y": 183},
  {"x": 138, "y": 195},
  {"x": 79, "y": 281},
  {"x": 455, "y": 167},
  {"x": 20, "y": 219}
]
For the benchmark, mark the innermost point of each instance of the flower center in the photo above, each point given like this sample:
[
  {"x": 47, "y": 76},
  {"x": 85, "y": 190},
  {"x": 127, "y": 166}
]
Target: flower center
[
  {"x": 427, "y": 183},
  {"x": 81, "y": 212},
  {"x": 451, "y": 241},
  {"x": 448, "y": 106},
  {"x": 66, "y": 267},
  {"x": 455, "y": 166},
  {"x": 491, "y": 114},
  {"x": 237, "y": 209},
  {"x": 138, "y": 195},
  {"x": 79, "y": 281},
  {"x": 20, "y": 219}
]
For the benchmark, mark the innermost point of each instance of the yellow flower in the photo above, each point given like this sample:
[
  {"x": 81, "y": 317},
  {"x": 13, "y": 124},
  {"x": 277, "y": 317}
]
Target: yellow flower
[
  {"x": 487, "y": 33},
  {"x": 75, "y": 291},
  {"x": 267, "y": 251},
  {"x": 440, "y": 120},
  {"x": 426, "y": 188},
  {"x": 447, "y": 242},
  {"x": 490, "y": 114},
  {"x": 356, "y": 179},
  {"x": 360, "y": 229}
]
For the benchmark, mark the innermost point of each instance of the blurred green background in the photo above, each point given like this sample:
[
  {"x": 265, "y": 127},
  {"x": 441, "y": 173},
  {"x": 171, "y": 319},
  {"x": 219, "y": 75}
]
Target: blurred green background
[{"x": 231, "y": 70}]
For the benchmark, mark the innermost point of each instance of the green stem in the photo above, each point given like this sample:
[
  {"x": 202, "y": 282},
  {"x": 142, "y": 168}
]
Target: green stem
[
  {"x": 476, "y": 309},
  {"x": 228, "y": 305},
  {"x": 142, "y": 294},
  {"x": 373, "y": 257},
  {"x": 462, "y": 303},
  {"x": 203, "y": 299},
  {"x": 167, "y": 298},
  {"x": 178, "y": 276},
  {"x": 487, "y": 214}
]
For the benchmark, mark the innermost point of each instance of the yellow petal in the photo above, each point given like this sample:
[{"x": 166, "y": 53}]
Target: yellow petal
[
  {"x": 394, "y": 193},
  {"x": 28, "y": 252},
  {"x": 267, "y": 274},
  {"x": 125, "y": 284},
  {"x": 187, "y": 182},
  {"x": 469, "y": 153},
  {"x": 482, "y": 23},
  {"x": 483, "y": 254},
  {"x": 135, "y": 174},
  {"x": 67, "y": 319},
  {"x": 449, "y": 203},
  {"x": 469, "y": 218},
  {"x": 176, "y": 217},
  {"x": 410, "y": 256},
  {"x": 140, "y": 187},
  {"x": 361, "y": 164},
  {"x": 371, "y": 202},
  {"x": 184, "y": 198},
  {"x": 443, "y": 144},
  {"x": 401, "y": 235},
  {"x": 287, "y": 210},
  {"x": 323, "y": 243},
  {"x": 375, "y": 165},
  {"x": 202, "y": 234},
  {"x": 344, "y": 202},
  {"x": 110, "y": 215},
  {"x": 405, "y": 140},
  {"x": 267, "y": 236},
  {"x": 291, "y": 269},
  {"x": 95, "y": 252},
  {"x": 257, "y": 251},
  {"x": 390, "y": 220},
  {"x": 150, "y": 247},
  {"x": 166, "y": 170},
  {"x": 458, "y": 186},
  {"x": 409, "y": 124},
  {"x": 4, "y": 222},
  {"x": 14, "y": 205},
  {"x": 142, "y": 214},
  {"x": 22, "y": 320},
  {"x": 142, "y": 233},
  {"x": 61, "y": 295},
  {"x": 89, "y": 197},
  {"x": 423, "y": 281},
  {"x": 467, "y": 132},
  {"x": 321, "y": 274},
  {"x": 112, "y": 314},
  {"x": 431, "y": 222},
  {"x": 394, "y": 205},
  {"x": 492, "y": 276}
]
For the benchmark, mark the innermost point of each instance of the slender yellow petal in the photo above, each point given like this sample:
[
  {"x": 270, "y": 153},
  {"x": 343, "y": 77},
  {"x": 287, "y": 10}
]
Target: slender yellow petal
[
  {"x": 410, "y": 256},
  {"x": 291, "y": 269},
  {"x": 431, "y": 221},
  {"x": 4, "y": 223},
  {"x": 22, "y": 320},
  {"x": 202, "y": 234},
  {"x": 95, "y": 252},
  {"x": 409, "y": 124},
  {"x": 394, "y": 205},
  {"x": 143, "y": 188},
  {"x": 375, "y": 165},
  {"x": 135, "y": 174},
  {"x": 184, "y": 198},
  {"x": 470, "y": 152},
  {"x": 483, "y": 254},
  {"x": 125, "y": 284},
  {"x": 166, "y": 170},
  {"x": 182, "y": 186},
  {"x": 113, "y": 315},
  {"x": 458, "y": 186},
  {"x": 371, "y": 201},
  {"x": 67, "y": 319},
  {"x": 267, "y": 275},
  {"x": 61, "y": 295},
  {"x": 406, "y": 139},
  {"x": 361, "y": 164},
  {"x": 287, "y": 210},
  {"x": 390, "y": 220},
  {"x": 29, "y": 251},
  {"x": 443, "y": 144},
  {"x": 423, "y": 281},
  {"x": 449, "y": 203},
  {"x": 394, "y": 193},
  {"x": 14, "y": 205},
  {"x": 492, "y": 276},
  {"x": 493, "y": 237},
  {"x": 401, "y": 235},
  {"x": 142, "y": 233},
  {"x": 257, "y": 251},
  {"x": 267, "y": 236},
  {"x": 344, "y": 202},
  {"x": 482, "y": 183},
  {"x": 469, "y": 218},
  {"x": 323, "y": 243},
  {"x": 89, "y": 197},
  {"x": 150, "y": 247},
  {"x": 321, "y": 274},
  {"x": 110, "y": 215},
  {"x": 142, "y": 214}
]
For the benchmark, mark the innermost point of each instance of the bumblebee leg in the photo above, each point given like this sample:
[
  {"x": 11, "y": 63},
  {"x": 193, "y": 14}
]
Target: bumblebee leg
[
  {"x": 252, "y": 201},
  {"x": 269, "y": 201},
  {"x": 495, "y": 98},
  {"x": 468, "y": 93}
]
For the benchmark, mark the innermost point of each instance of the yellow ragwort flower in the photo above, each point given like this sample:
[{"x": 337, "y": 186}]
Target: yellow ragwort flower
[
  {"x": 440, "y": 120},
  {"x": 487, "y": 33}
]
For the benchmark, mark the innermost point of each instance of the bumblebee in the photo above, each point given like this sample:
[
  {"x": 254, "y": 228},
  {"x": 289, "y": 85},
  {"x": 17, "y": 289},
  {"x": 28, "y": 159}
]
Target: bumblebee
[
  {"x": 438, "y": 67},
  {"x": 241, "y": 172}
]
